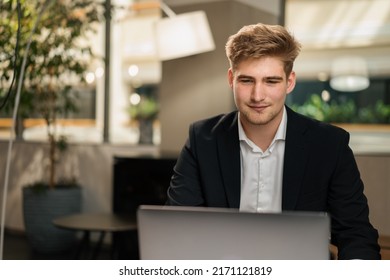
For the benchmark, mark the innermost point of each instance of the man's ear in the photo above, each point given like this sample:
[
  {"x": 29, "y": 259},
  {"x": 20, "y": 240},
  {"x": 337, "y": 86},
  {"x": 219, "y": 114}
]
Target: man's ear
[
  {"x": 230, "y": 77},
  {"x": 291, "y": 81}
]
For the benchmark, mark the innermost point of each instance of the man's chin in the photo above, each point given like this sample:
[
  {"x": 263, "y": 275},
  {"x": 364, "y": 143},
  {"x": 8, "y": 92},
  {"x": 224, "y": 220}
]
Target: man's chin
[{"x": 263, "y": 120}]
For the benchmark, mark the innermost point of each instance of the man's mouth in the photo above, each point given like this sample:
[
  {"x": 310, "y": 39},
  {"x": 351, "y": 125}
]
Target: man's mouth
[{"x": 258, "y": 107}]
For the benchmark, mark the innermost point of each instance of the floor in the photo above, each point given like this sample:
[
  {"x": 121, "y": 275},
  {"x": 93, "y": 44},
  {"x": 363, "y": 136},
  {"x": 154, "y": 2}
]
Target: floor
[{"x": 16, "y": 247}]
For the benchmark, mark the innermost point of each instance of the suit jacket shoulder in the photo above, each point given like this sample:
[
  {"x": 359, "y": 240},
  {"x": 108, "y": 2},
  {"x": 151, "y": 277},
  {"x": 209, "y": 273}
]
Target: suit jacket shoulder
[
  {"x": 214, "y": 125},
  {"x": 208, "y": 169},
  {"x": 298, "y": 122}
]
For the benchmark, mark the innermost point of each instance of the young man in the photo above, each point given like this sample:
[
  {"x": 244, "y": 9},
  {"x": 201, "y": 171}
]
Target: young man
[{"x": 267, "y": 158}]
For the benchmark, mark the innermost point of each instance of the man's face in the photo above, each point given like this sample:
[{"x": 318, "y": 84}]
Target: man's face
[{"x": 260, "y": 88}]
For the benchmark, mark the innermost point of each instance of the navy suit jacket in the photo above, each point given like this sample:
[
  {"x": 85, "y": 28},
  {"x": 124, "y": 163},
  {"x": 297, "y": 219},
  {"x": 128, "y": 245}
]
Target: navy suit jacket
[{"x": 320, "y": 174}]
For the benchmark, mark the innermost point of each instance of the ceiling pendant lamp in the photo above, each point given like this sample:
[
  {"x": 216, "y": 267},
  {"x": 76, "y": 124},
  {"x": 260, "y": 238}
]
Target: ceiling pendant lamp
[
  {"x": 349, "y": 74},
  {"x": 182, "y": 35}
]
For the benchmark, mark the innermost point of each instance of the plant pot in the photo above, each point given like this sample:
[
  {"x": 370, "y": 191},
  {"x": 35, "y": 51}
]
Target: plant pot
[{"x": 40, "y": 209}]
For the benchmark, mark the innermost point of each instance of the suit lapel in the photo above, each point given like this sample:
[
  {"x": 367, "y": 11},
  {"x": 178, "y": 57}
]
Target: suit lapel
[
  {"x": 229, "y": 158},
  {"x": 295, "y": 159}
]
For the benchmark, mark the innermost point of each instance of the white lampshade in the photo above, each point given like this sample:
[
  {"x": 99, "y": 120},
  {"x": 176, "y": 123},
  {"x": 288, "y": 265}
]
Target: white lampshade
[
  {"x": 143, "y": 72},
  {"x": 349, "y": 74},
  {"x": 183, "y": 35}
]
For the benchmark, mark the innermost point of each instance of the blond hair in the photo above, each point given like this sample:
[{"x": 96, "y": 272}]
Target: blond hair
[{"x": 261, "y": 40}]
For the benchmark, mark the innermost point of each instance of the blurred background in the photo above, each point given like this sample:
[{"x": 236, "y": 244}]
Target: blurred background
[{"x": 106, "y": 81}]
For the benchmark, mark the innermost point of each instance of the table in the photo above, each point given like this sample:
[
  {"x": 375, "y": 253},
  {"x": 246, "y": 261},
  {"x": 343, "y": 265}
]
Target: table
[{"x": 96, "y": 222}]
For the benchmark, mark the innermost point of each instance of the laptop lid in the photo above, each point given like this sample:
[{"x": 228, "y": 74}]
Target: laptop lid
[{"x": 175, "y": 232}]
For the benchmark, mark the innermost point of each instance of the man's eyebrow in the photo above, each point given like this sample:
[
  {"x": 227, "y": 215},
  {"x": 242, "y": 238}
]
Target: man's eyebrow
[
  {"x": 279, "y": 78},
  {"x": 244, "y": 77}
]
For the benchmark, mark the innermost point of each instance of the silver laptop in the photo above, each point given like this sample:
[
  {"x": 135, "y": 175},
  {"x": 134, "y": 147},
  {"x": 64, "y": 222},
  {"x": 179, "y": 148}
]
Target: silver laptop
[{"x": 198, "y": 233}]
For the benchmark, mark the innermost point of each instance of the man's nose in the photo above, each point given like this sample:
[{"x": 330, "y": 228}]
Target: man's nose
[{"x": 258, "y": 92}]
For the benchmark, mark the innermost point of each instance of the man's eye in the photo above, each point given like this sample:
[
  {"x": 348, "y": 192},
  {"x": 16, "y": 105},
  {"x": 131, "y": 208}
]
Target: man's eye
[
  {"x": 272, "y": 81},
  {"x": 246, "y": 81}
]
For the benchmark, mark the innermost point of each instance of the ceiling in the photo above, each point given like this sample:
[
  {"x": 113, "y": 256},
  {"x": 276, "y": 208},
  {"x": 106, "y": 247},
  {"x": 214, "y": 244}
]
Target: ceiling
[
  {"x": 331, "y": 28},
  {"x": 272, "y": 7}
]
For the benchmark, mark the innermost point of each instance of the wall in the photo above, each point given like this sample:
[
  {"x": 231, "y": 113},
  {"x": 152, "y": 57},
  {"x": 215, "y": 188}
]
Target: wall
[
  {"x": 372, "y": 152},
  {"x": 375, "y": 172},
  {"x": 196, "y": 87}
]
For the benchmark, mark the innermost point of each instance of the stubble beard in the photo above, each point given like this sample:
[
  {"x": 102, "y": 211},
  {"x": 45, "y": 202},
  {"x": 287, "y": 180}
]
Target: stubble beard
[{"x": 258, "y": 118}]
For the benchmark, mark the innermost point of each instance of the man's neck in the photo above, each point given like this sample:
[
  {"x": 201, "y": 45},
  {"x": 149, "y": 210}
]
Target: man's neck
[{"x": 262, "y": 135}]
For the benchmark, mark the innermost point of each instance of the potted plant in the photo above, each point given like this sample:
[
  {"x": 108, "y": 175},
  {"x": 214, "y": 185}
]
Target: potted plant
[
  {"x": 342, "y": 113},
  {"x": 58, "y": 58},
  {"x": 145, "y": 113}
]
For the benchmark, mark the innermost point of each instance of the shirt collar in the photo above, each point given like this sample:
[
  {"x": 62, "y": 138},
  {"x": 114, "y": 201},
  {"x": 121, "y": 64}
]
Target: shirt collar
[{"x": 281, "y": 132}]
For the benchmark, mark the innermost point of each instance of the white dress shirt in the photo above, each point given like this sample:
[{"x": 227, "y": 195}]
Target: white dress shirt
[{"x": 262, "y": 172}]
